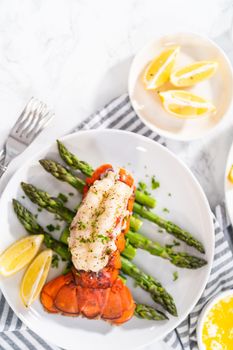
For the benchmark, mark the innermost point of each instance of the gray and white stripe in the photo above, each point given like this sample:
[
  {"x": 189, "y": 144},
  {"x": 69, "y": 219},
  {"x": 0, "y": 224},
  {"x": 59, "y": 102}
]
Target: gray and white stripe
[
  {"x": 221, "y": 278},
  {"x": 119, "y": 114}
]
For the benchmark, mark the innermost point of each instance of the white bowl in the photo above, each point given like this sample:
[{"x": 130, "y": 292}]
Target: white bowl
[
  {"x": 204, "y": 313},
  {"x": 218, "y": 89}
]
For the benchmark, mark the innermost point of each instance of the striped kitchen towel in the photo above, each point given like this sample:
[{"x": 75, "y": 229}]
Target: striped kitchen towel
[
  {"x": 119, "y": 114},
  {"x": 221, "y": 278}
]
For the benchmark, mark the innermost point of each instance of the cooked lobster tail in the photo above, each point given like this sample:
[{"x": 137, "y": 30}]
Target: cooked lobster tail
[
  {"x": 63, "y": 295},
  {"x": 95, "y": 294}
]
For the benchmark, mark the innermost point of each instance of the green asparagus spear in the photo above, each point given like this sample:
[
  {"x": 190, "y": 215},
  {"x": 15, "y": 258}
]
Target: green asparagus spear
[
  {"x": 73, "y": 161},
  {"x": 135, "y": 223},
  {"x": 144, "y": 199},
  {"x": 169, "y": 226},
  {"x": 144, "y": 311},
  {"x": 179, "y": 259},
  {"x": 150, "y": 284},
  {"x": 62, "y": 174},
  {"x": 56, "y": 206},
  {"x": 44, "y": 200},
  {"x": 29, "y": 222},
  {"x": 149, "y": 313},
  {"x": 65, "y": 235},
  {"x": 129, "y": 252},
  {"x": 123, "y": 278}
]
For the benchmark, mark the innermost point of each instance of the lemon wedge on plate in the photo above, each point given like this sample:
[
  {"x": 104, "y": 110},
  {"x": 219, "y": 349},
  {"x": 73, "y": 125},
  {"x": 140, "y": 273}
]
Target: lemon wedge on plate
[
  {"x": 19, "y": 254},
  {"x": 193, "y": 73},
  {"x": 184, "y": 104},
  {"x": 159, "y": 69},
  {"x": 35, "y": 277}
]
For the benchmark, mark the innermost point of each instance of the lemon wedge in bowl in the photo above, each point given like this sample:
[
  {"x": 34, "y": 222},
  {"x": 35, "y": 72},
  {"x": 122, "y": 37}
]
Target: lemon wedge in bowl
[
  {"x": 193, "y": 73},
  {"x": 184, "y": 104},
  {"x": 35, "y": 277},
  {"x": 19, "y": 254},
  {"x": 159, "y": 69},
  {"x": 230, "y": 174}
]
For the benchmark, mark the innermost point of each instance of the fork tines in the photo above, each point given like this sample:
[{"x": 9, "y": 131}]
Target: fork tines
[{"x": 32, "y": 120}]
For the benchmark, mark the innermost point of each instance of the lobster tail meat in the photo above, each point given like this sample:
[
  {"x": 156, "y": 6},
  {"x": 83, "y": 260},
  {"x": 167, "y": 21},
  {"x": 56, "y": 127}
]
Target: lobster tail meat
[
  {"x": 97, "y": 236},
  {"x": 99, "y": 221}
]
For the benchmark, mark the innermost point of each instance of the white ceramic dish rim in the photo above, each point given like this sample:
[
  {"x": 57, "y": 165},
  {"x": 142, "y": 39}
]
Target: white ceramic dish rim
[
  {"x": 227, "y": 200},
  {"x": 168, "y": 134},
  {"x": 205, "y": 311},
  {"x": 201, "y": 193}
]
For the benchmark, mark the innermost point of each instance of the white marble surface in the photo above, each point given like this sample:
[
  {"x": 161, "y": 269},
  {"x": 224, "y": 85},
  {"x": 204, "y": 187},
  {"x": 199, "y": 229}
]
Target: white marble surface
[{"x": 75, "y": 55}]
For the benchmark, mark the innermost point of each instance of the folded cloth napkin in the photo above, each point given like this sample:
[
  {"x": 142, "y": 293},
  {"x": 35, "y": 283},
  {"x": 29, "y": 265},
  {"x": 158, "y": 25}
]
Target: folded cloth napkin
[{"x": 119, "y": 114}]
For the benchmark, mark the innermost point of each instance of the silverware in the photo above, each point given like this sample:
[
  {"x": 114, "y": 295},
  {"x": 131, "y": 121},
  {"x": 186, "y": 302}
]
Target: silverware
[{"x": 31, "y": 122}]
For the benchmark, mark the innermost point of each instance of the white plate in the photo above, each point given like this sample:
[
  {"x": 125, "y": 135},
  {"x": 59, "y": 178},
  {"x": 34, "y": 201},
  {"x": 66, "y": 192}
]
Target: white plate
[
  {"x": 188, "y": 207},
  {"x": 229, "y": 186},
  {"x": 147, "y": 104}
]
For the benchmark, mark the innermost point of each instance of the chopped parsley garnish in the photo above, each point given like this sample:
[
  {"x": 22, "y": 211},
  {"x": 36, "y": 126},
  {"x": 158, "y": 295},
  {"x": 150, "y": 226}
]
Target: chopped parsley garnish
[
  {"x": 55, "y": 261},
  {"x": 39, "y": 209},
  {"x": 160, "y": 230},
  {"x": 104, "y": 239},
  {"x": 23, "y": 197},
  {"x": 86, "y": 240},
  {"x": 169, "y": 194},
  {"x": 142, "y": 186},
  {"x": 81, "y": 225},
  {"x": 63, "y": 197},
  {"x": 147, "y": 193},
  {"x": 71, "y": 194},
  {"x": 175, "y": 276},
  {"x": 165, "y": 210},
  {"x": 36, "y": 216},
  {"x": 154, "y": 183},
  {"x": 50, "y": 227},
  {"x": 108, "y": 251}
]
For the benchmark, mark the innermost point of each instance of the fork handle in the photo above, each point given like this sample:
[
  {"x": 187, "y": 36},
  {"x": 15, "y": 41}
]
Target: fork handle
[{"x": 2, "y": 169}]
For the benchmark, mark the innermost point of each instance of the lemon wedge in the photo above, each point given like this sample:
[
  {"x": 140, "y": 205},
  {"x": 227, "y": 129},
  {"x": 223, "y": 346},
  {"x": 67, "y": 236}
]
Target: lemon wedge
[
  {"x": 230, "y": 175},
  {"x": 193, "y": 73},
  {"x": 19, "y": 254},
  {"x": 158, "y": 71},
  {"x": 35, "y": 277},
  {"x": 184, "y": 104}
]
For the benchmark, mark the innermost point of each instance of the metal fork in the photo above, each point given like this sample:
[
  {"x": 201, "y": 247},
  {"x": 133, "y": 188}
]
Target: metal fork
[{"x": 31, "y": 122}]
